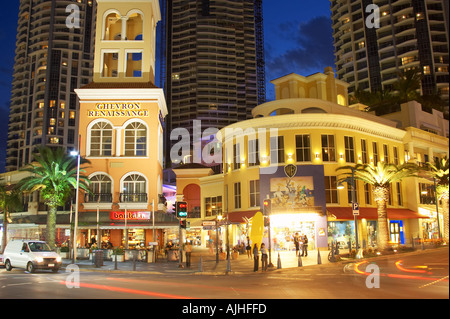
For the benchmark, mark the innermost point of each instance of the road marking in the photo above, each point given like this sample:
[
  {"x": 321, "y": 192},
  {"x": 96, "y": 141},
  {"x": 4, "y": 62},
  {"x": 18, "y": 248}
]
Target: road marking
[{"x": 434, "y": 282}]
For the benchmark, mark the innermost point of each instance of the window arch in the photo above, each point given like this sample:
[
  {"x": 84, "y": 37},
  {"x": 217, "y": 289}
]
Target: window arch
[
  {"x": 135, "y": 25},
  {"x": 136, "y": 139},
  {"x": 112, "y": 26},
  {"x": 134, "y": 188},
  {"x": 101, "y": 136},
  {"x": 101, "y": 188}
]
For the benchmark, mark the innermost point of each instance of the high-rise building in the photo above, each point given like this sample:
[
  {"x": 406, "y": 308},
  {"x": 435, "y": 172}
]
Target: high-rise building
[
  {"x": 214, "y": 62},
  {"x": 410, "y": 34},
  {"x": 54, "y": 56}
]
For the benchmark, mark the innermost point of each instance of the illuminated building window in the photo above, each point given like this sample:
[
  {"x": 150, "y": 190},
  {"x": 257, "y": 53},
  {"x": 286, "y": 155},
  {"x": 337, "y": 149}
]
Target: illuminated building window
[
  {"x": 331, "y": 192},
  {"x": 101, "y": 139},
  {"x": 303, "y": 147},
  {"x": 375, "y": 153},
  {"x": 349, "y": 149},
  {"x": 101, "y": 187},
  {"x": 113, "y": 27},
  {"x": 254, "y": 193},
  {"x": 134, "y": 188},
  {"x": 407, "y": 59},
  {"x": 253, "y": 152},
  {"x": 328, "y": 148},
  {"x": 134, "y": 64},
  {"x": 110, "y": 64},
  {"x": 277, "y": 149},
  {"x": 364, "y": 152},
  {"x": 136, "y": 139},
  {"x": 135, "y": 26},
  {"x": 237, "y": 195}
]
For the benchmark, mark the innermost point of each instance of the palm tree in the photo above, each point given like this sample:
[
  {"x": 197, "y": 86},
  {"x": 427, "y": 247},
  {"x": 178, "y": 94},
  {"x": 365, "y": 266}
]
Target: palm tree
[
  {"x": 408, "y": 85},
  {"x": 380, "y": 177},
  {"x": 54, "y": 174},
  {"x": 439, "y": 172},
  {"x": 10, "y": 201}
]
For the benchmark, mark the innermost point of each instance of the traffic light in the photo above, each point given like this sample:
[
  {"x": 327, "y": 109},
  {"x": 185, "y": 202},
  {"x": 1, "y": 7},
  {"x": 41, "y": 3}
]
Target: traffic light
[
  {"x": 267, "y": 206},
  {"x": 181, "y": 209},
  {"x": 183, "y": 223}
]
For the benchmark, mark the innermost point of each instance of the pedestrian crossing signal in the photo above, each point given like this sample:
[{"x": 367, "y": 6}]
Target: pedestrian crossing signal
[{"x": 181, "y": 209}]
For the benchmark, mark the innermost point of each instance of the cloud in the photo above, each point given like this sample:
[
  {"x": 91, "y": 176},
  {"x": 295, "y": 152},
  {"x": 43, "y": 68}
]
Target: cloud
[{"x": 308, "y": 48}]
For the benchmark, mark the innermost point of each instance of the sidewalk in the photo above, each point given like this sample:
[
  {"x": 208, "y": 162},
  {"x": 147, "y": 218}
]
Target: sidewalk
[{"x": 203, "y": 263}]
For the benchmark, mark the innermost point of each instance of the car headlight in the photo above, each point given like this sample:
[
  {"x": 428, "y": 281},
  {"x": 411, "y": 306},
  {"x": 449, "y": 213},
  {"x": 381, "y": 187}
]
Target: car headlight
[
  {"x": 39, "y": 259},
  {"x": 58, "y": 259}
]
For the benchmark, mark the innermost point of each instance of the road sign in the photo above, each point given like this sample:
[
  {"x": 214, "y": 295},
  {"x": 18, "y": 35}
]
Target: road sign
[{"x": 355, "y": 207}]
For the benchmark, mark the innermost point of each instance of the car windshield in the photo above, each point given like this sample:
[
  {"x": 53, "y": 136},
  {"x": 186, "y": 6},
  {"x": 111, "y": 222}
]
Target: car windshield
[{"x": 36, "y": 246}]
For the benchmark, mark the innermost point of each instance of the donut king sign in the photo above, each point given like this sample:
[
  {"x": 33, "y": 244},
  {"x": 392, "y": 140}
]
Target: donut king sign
[
  {"x": 130, "y": 215},
  {"x": 127, "y": 109}
]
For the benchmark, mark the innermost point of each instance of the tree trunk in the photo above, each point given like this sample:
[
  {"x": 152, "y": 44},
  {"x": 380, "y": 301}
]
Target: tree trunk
[
  {"x": 383, "y": 229},
  {"x": 51, "y": 226},
  {"x": 445, "y": 217}
]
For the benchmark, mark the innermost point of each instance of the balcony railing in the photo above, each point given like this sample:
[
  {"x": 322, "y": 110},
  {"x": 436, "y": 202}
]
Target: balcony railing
[
  {"x": 98, "y": 197},
  {"x": 133, "y": 197}
]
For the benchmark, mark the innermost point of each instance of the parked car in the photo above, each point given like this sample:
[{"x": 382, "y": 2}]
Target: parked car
[
  {"x": 30, "y": 255},
  {"x": 1, "y": 261}
]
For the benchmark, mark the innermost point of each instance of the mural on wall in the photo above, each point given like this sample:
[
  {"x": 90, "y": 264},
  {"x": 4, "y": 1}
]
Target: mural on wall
[{"x": 292, "y": 193}]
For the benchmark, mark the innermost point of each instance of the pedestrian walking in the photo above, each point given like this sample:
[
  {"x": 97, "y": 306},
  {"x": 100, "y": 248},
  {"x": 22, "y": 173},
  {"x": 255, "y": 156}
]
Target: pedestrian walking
[
  {"x": 264, "y": 257},
  {"x": 255, "y": 257},
  {"x": 297, "y": 244},
  {"x": 305, "y": 246},
  {"x": 248, "y": 248},
  {"x": 188, "y": 251}
]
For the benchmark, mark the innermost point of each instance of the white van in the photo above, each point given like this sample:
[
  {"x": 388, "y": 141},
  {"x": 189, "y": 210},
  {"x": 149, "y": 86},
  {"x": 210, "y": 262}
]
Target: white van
[{"x": 30, "y": 255}]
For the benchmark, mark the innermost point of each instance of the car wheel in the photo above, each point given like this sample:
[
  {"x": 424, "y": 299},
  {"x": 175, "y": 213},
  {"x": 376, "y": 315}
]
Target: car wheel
[
  {"x": 8, "y": 265},
  {"x": 30, "y": 267}
]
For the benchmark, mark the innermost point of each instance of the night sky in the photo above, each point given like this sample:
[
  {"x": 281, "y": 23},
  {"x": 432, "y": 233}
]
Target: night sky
[{"x": 297, "y": 38}]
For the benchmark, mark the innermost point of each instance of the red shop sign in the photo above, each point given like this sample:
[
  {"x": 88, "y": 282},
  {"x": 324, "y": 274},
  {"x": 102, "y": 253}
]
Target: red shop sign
[{"x": 130, "y": 215}]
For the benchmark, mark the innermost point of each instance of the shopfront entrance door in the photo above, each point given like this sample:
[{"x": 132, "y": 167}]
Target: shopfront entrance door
[{"x": 396, "y": 230}]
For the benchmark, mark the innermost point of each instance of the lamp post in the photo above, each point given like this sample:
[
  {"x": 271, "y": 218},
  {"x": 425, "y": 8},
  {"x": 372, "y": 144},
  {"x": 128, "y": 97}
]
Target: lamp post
[
  {"x": 218, "y": 218},
  {"x": 340, "y": 186},
  {"x": 75, "y": 230}
]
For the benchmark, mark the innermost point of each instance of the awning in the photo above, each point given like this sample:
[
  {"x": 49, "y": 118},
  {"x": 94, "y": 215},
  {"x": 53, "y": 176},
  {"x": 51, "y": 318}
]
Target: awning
[
  {"x": 240, "y": 217},
  {"x": 346, "y": 213}
]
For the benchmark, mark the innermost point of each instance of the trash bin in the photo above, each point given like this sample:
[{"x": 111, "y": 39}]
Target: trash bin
[{"x": 98, "y": 258}]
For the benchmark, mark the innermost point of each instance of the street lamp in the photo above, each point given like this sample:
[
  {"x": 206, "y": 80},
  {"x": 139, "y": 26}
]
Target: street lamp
[
  {"x": 74, "y": 257},
  {"x": 218, "y": 218},
  {"x": 341, "y": 186}
]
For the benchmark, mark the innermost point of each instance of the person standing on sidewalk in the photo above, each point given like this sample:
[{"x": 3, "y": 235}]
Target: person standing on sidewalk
[
  {"x": 255, "y": 257},
  {"x": 263, "y": 257},
  {"x": 305, "y": 246},
  {"x": 188, "y": 251}
]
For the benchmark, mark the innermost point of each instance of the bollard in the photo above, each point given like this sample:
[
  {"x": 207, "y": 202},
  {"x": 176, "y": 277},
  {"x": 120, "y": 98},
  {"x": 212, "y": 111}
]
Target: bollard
[
  {"x": 423, "y": 243},
  {"x": 115, "y": 261},
  {"x": 200, "y": 265},
  {"x": 319, "y": 259},
  {"x": 412, "y": 242},
  {"x": 279, "y": 262},
  {"x": 228, "y": 264},
  {"x": 134, "y": 260},
  {"x": 300, "y": 264}
]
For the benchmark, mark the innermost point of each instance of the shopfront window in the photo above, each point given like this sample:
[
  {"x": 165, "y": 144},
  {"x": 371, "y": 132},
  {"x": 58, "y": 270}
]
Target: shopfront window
[
  {"x": 285, "y": 226},
  {"x": 341, "y": 232}
]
